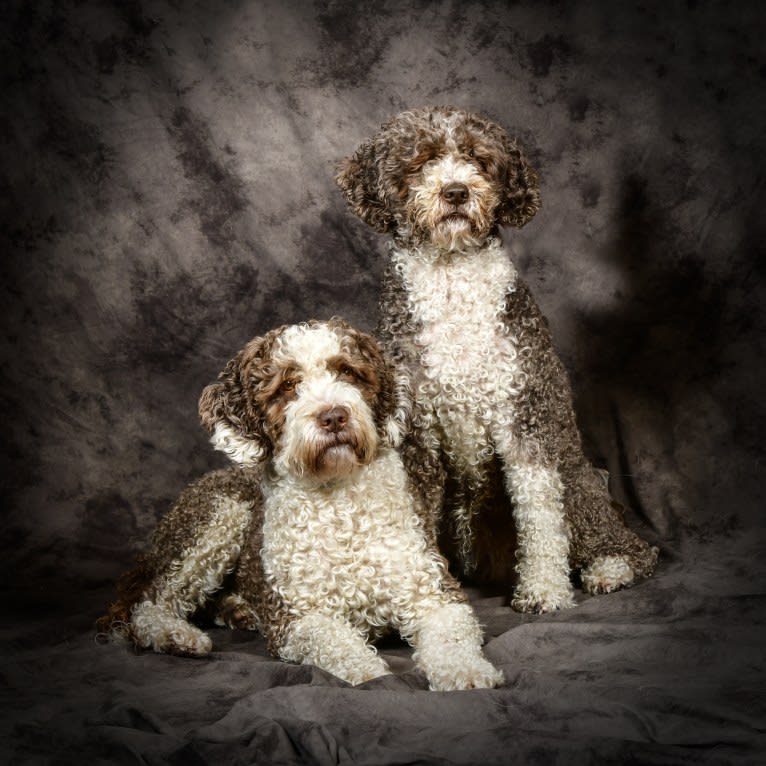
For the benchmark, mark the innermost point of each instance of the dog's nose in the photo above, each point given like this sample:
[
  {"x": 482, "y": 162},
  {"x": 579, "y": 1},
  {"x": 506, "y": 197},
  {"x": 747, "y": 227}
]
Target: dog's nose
[
  {"x": 333, "y": 419},
  {"x": 455, "y": 193}
]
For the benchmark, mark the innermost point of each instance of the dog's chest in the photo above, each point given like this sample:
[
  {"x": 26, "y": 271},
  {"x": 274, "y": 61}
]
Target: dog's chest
[
  {"x": 349, "y": 550},
  {"x": 459, "y": 307}
]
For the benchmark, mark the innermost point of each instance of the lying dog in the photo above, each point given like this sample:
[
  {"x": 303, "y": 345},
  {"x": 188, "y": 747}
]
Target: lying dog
[
  {"x": 493, "y": 405},
  {"x": 315, "y": 539}
]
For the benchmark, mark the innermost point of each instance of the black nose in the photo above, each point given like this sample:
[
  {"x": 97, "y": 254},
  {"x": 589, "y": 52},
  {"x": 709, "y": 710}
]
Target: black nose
[
  {"x": 455, "y": 193},
  {"x": 333, "y": 419}
]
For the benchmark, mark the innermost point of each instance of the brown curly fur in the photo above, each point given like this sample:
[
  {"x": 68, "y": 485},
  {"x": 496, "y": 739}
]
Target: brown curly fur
[{"x": 376, "y": 182}]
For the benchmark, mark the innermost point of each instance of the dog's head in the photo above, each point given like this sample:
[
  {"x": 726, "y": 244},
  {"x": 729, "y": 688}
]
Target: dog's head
[
  {"x": 317, "y": 399},
  {"x": 440, "y": 176}
]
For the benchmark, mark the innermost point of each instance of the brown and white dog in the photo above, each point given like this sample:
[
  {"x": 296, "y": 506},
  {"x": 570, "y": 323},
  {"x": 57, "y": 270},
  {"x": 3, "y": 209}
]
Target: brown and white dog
[
  {"x": 492, "y": 402},
  {"x": 315, "y": 539}
]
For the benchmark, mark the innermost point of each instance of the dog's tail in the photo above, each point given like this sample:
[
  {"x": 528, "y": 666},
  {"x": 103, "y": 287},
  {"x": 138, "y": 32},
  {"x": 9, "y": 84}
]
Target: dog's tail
[{"x": 131, "y": 587}]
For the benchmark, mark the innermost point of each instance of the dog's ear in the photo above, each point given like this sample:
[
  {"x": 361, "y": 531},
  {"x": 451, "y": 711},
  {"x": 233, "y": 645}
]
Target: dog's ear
[
  {"x": 393, "y": 408},
  {"x": 229, "y": 413},
  {"x": 521, "y": 198},
  {"x": 359, "y": 178}
]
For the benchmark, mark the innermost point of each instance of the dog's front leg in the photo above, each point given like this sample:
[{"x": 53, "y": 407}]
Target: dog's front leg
[
  {"x": 447, "y": 640},
  {"x": 542, "y": 555},
  {"x": 333, "y": 644}
]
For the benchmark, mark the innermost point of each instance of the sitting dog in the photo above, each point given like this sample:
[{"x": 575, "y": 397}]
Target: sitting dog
[
  {"x": 315, "y": 539},
  {"x": 494, "y": 421}
]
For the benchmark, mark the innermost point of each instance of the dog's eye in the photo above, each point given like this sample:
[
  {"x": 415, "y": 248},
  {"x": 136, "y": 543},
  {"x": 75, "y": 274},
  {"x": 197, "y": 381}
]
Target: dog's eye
[
  {"x": 288, "y": 384},
  {"x": 471, "y": 153},
  {"x": 347, "y": 372}
]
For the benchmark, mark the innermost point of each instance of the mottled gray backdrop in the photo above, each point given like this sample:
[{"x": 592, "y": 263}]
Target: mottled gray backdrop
[{"x": 167, "y": 193}]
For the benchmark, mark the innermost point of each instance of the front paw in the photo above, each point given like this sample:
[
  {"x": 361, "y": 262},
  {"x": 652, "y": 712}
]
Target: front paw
[
  {"x": 461, "y": 673},
  {"x": 540, "y": 600}
]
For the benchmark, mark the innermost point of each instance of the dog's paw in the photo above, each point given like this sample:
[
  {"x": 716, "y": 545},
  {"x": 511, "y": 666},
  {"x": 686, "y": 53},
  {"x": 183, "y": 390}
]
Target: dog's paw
[
  {"x": 475, "y": 673},
  {"x": 186, "y": 641},
  {"x": 606, "y": 574},
  {"x": 371, "y": 667},
  {"x": 155, "y": 626},
  {"x": 236, "y": 613},
  {"x": 539, "y": 601}
]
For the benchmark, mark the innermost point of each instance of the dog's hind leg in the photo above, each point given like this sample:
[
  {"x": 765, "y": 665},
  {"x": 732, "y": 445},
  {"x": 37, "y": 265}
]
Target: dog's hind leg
[
  {"x": 160, "y": 621},
  {"x": 609, "y": 554}
]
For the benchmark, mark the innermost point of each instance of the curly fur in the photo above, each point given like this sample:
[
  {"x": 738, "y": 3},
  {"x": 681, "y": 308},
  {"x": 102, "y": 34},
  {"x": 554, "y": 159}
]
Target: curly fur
[
  {"x": 193, "y": 554},
  {"x": 494, "y": 431},
  {"x": 316, "y": 538}
]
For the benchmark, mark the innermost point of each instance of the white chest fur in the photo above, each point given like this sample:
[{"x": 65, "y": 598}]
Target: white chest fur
[
  {"x": 468, "y": 358},
  {"x": 348, "y": 549}
]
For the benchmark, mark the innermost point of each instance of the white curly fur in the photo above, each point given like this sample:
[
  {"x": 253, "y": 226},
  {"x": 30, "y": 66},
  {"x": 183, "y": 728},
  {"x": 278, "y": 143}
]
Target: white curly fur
[
  {"x": 331, "y": 643},
  {"x": 345, "y": 549},
  {"x": 396, "y": 424},
  {"x": 470, "y": 377},
  {"x": 238, "y": 449},
  {"x": 447, "y": 641},
  {"x": 351, "y": 556},
  {"x": 161, "y": 622}
]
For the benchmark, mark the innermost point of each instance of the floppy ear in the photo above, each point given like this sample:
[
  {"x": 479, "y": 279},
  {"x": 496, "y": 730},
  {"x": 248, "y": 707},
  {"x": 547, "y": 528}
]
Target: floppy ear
[
  {"x": 521, "y": 199},
  {"x": 229, "y": 415},
  {"x": 359, "y": 178},
  {"x": 394, "y": 401}
]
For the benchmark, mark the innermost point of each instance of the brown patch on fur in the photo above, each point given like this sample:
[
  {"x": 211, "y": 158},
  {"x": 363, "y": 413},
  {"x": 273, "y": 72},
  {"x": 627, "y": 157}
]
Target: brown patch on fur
[
  {"x": 376, "y": 374},
  {"x": 131, "y": 586},
  {"x": 238, "y": 398},
  {"x": 522, "y": 196}
]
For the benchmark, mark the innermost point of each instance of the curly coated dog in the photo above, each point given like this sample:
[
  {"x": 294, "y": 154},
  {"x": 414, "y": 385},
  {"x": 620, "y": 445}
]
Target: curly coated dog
[
  {"x": 495, "y": 431},
  {"x": 315, "y": 538}
]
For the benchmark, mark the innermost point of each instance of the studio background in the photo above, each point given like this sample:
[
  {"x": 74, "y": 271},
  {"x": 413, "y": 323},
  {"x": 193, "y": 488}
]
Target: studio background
[{"x": 167, "y": 193}]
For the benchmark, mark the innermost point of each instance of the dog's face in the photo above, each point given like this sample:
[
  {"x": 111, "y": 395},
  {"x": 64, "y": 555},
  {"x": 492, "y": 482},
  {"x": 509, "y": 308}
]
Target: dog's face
[
  {"x": 440, "y": 176},
  {"x": 318, "y": 399}
]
